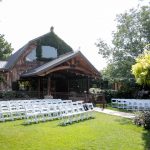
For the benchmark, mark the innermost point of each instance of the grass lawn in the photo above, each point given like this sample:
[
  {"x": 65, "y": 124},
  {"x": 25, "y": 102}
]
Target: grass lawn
[{"x": 105, "y": 132}]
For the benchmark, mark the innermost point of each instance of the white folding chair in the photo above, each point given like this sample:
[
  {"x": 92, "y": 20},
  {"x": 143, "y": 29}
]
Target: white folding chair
[
  {"x": 114, "y": 103},
  {"x": 45, "y": 111},
  {"x": 146, "y": 105},
  {"x": 54, "y": 111},
  {"x": 135, "y": 105},
  {"x": 5, "y": 111},
  {"x": 67, "y": 116},
  {"x": 129, "y": 105},
  {"x": 21, "y": 109},
  {"x": 37, "y": 113},
  {"x": 90, "y": 110},
  {"x": 30, "y": 114},
  {"x": 14, "y": 110},
  {"x": 140, "y": 105}
]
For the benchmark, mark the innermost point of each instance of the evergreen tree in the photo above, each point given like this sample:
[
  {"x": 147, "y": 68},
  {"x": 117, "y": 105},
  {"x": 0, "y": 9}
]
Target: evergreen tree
[{"x": 5, "y": 48}]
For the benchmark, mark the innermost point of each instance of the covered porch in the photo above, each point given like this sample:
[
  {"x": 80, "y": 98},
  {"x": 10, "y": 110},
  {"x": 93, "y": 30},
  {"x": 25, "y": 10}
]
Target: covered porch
[{"x": 66, "y": 78}]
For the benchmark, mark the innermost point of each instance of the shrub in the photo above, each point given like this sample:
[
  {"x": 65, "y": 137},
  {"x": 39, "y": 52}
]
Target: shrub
[
  {"x": 110, "y": 94},
  {"x": 123, "y": 93},
  {"x": 143, "y": 119},
  {"x": 10, "y": 95}
]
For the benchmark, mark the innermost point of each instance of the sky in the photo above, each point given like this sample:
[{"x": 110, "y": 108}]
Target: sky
[{"x": 80, "y": 23}]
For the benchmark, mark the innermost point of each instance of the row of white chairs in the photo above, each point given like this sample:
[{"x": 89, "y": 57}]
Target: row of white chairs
[
  {"x": 46, "y": 109},
  {"x": 131, "y": 104},
  {"x": 10, "y": 110},
  {"x": 75, "y": 112}
]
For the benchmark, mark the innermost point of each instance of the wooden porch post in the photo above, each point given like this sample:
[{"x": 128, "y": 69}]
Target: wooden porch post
[
  {"x": 68, "y": 94},
  {"x": 88, "y": 85},
  {"x": 39, "y": 87},
  {"x": 87, "y": 89},
  {"x": 49, "y": 85}
]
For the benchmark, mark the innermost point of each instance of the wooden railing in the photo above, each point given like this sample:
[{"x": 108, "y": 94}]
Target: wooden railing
[{"x": 86, "y": 97}]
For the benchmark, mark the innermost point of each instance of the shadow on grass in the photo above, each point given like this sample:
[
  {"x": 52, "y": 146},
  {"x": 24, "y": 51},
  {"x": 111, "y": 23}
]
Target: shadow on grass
[
  {"x": 26, "y": 123},
  {"x": 59, "y": 124},
  {"x": 146, "y": 138},
  {"x": 75, "y": 122}
]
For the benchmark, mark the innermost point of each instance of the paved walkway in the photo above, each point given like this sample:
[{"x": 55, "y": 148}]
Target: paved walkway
[{"x": 116, "y": 113}]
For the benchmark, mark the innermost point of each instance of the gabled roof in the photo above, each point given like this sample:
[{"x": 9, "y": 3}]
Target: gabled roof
[
  {"x": 14, "y": 57},
  {"x": 55, "y": 63},
  {"x": 47, "y": 39}
]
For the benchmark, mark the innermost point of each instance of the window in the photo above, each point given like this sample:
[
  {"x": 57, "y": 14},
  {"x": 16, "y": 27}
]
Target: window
[
  {"x": 48, "y": 52},
  {"x": 31, "y": 56}
]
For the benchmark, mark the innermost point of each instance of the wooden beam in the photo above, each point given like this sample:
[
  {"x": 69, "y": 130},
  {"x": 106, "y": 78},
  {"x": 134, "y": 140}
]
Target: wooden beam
[{"x": 65, "y": 68}]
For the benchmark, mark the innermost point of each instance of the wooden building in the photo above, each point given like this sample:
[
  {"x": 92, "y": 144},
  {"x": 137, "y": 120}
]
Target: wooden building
[{"x": 47, "y": 66}]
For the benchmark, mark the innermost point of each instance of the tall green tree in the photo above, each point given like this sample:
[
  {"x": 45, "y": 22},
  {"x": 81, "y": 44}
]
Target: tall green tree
[
  {"x": 141, "y": 69},
  {"x": 5, "y": 48},
  {"x": 129, "y": 39}
]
